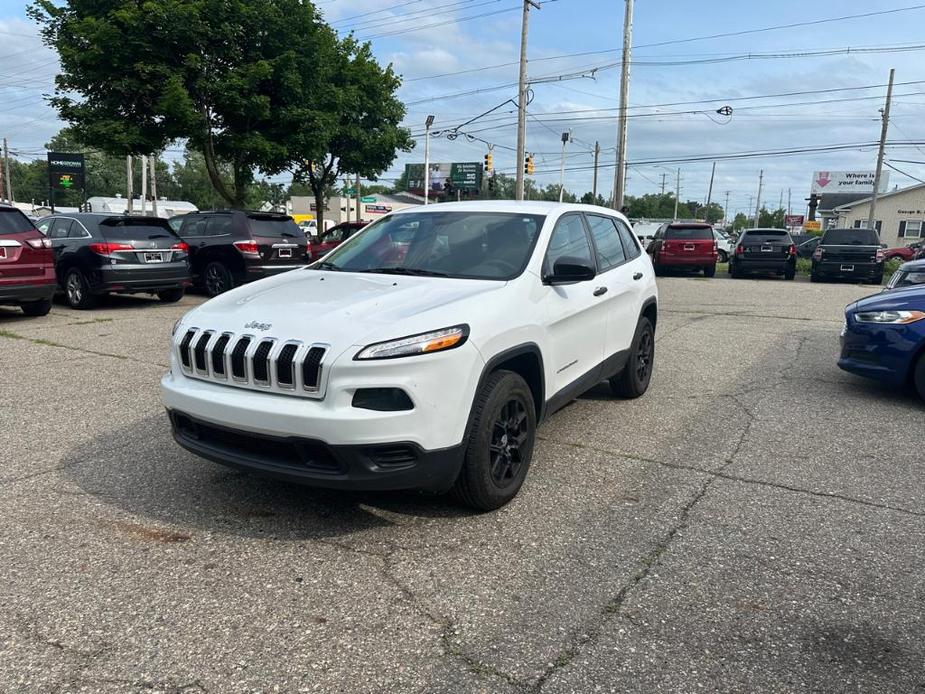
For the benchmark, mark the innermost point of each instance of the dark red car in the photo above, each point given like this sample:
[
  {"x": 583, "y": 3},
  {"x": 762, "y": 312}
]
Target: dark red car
[
  {"x": 684, "y": 245},
  {"x": 332, "y": 238},
  {"x": 27, "y": 265},
  {"x": 904, "y": 253}
]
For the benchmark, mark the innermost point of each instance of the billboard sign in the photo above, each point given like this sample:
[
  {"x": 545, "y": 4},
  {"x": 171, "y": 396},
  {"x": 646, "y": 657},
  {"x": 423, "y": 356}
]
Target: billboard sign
[
  {"x": 445, "y": 177},
  {"x": 65, "y": 171},
  {"x": 793, "y": 220},
  {"x": 848, "y": 182},
  {"x": 378, "y": 209},
  {"x": 812, "y": 225}
]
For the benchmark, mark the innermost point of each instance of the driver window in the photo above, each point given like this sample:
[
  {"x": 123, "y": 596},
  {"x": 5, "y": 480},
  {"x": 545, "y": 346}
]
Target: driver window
[{"x": 568, "y": 240}]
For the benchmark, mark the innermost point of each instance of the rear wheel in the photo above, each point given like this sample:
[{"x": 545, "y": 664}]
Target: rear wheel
[
  {"x": 919, "y": 377},
  {"x": 217, "y": 279},
  {"x": 77, "y": 290},
  {"x": 709, "y": 271},
  {"x": 723, "y": 257},
  {"x": 170, "y": 296},
  {"x": 877, "y": 279},
  {"x": 813, "y": 277},
  {"x": 789, "y": 274},
  {"x": 36, "y": 308},
  {"x": 633, "y": 381},
  {"x": 500, "y": 443}
]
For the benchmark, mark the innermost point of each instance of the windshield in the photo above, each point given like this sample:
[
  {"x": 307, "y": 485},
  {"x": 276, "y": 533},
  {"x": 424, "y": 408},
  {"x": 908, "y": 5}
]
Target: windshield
[
  {"x": 470, "y": 245},
  {"x": 851, "y": 237},
  {"x": 689, "y": 233}
]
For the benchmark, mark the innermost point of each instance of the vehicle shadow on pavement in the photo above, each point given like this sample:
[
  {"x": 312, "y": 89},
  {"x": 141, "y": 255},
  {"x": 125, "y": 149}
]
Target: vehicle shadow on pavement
[{"x": 141, "y": 470}]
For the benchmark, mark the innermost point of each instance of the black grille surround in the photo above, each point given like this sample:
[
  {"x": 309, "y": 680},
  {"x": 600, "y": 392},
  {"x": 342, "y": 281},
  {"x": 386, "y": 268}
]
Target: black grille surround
[{"x": 256, "y": 362}]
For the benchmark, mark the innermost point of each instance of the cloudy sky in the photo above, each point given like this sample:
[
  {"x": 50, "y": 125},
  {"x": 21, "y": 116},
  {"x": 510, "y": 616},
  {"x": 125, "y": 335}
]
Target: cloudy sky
[{"x": 795, "y": 77}]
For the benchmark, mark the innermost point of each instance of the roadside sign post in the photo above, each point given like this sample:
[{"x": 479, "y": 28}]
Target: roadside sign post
[{"x": 66, "y": 171}]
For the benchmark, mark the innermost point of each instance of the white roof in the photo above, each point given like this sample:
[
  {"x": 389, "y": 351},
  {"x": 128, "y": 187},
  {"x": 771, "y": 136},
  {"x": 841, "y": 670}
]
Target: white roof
[{"x": 524, "y": 207}]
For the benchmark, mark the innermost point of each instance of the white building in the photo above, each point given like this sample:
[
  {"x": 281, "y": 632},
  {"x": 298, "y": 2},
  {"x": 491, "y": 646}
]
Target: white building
[
  {"x": 900, "y": 215},
  {"x": 119, "y": 205},
  {"x": 342, "y": 209}
]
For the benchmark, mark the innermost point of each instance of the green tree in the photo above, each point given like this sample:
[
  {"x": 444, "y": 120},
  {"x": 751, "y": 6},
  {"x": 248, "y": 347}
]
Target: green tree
[
  {"x": 589, "y": 199},
  {"x": 740, "y": 222},
  {"x": 772, "y": 220},
  {"x": 356, "y": 128}
]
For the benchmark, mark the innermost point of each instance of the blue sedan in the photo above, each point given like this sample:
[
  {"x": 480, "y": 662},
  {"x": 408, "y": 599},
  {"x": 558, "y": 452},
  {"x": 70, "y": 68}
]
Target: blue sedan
[{"x": 884, "y": 337}]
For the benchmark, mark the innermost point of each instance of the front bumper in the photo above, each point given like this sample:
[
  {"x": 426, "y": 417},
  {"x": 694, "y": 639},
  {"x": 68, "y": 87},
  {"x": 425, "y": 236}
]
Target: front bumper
[
  {"x": 390, "y": 466},
  {"x": 24, "y": 293},
  {"x": 882, "y": 352}
]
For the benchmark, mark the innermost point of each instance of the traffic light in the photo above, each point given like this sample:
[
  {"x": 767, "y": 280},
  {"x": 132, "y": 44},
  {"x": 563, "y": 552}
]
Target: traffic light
[
  {"x": 489, "y": 163},
  {"x": 529, "y": 168},
  {"x": 491, "y": 183}
]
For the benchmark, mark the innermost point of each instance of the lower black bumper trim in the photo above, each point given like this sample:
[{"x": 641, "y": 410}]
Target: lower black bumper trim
[
  {"x": 25, "y": 293},
  {"x": 376, "y": 467}
]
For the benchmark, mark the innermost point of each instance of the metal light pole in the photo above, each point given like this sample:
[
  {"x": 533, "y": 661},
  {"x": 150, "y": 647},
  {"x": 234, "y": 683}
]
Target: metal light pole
[
  {"x": 620, "y": 174},
  {"x": 522, "y": 102},
  {"x": 565, "y": 138},
  {"x": 427, "y": 123}
]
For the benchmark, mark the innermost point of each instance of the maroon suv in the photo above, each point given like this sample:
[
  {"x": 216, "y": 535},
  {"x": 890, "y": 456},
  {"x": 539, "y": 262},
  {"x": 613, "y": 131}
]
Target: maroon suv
[
  {"x": 27, "y": 267},
  {"x": 684, "y": 245}
]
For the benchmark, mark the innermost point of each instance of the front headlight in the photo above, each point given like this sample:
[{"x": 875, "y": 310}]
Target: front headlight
[
  {"x": 424, "y": 343},
  {"x": 889, "y": 317}
]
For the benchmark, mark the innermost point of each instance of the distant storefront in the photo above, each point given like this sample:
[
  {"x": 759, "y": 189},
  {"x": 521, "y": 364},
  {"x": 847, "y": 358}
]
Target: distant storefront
[{"x": 900, "y": 215}]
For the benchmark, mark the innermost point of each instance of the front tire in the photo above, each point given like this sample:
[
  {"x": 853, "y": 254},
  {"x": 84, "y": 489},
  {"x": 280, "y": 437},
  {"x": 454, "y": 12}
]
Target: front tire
[
  {"x": 217, "y": 278},
  {"x": 36, "y": 308},
  {"x": 500, "y": 443},
  {"x": 919, "y": 377},
  {"x": 634, "y": 380},
  {"x": 77, "y": 291},
  {"x": 171, "y": 296}
]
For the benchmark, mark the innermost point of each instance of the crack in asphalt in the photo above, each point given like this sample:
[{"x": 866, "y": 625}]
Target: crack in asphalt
[
  {"x": 49, "y": 343},
  {"x": 743, "y": 314}
]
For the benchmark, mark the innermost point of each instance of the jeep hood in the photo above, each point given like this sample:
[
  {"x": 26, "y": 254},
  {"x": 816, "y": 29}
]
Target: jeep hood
[{"x": 342, "y": 309}]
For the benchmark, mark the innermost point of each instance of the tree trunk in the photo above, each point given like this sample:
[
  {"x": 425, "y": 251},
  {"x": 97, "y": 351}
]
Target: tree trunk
[
  {"x": 215, "y": 176},
  {"x": 318, "y": 190}
]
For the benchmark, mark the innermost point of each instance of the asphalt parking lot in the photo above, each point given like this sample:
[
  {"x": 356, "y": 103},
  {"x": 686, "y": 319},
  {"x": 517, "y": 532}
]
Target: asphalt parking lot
[{"x": 756, "y": 522}]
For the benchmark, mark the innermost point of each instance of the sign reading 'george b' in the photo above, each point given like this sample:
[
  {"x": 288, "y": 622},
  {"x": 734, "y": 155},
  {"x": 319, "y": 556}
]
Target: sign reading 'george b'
[{"x": 848, "y": 182}]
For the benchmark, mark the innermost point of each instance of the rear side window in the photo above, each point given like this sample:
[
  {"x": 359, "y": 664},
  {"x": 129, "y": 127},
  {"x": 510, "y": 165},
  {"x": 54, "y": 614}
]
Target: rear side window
[
  {"x": 59, "y": 228},
  {"x": 851, "y": 237},
  {"x": 569, "y": 240},
  {"x": 606, "y": 241},
  {"x": 273, "y": 226},
  {"x": 220, "y": 225},
  {"x": 12, "y": 221},
  {"x": 629, "y": 242},
  {"x": 689, "y": 233},
  {"x": 193, "y": 226},
  {"x": 135, "y": 229}
]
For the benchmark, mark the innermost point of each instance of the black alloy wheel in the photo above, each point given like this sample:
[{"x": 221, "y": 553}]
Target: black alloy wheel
[
  {"x": 633, "y": 380},
  {"x": 217, "y": 279},
  {"x": 508, "y": 441}
]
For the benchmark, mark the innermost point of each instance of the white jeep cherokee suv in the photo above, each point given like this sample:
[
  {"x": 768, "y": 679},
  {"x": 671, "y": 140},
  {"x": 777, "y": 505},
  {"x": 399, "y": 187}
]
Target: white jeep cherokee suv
[{"x": 420, "y": 354}]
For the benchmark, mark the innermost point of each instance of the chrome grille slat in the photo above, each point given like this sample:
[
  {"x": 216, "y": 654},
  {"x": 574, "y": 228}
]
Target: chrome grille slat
[{"x": 292, "y": 368}]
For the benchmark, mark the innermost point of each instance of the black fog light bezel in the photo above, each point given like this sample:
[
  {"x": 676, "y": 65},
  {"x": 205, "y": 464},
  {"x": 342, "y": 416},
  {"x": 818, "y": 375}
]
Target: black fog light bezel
[{"x": 382, "y": 400}]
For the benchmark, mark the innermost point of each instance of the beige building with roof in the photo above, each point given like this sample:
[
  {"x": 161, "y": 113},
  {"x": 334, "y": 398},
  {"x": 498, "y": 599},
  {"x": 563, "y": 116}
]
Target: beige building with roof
[{"x": 900, "y": 215}]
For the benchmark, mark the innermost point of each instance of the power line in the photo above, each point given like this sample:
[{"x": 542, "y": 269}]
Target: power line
[{"x": 433, "y": 25}]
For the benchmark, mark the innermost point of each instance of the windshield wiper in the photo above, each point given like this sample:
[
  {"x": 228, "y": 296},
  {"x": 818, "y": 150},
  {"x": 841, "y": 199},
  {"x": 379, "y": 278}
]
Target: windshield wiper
[
  {"x": 327, "y": 265},
  {"x": 417, "y": 272}
]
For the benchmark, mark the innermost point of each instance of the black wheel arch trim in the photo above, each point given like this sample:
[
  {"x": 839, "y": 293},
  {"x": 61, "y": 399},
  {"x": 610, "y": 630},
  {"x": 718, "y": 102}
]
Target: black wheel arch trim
[{"x": 526, "y": 348}]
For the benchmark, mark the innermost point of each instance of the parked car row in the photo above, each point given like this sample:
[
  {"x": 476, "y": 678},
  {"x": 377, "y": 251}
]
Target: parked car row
[{"x": 88, "y": 255}]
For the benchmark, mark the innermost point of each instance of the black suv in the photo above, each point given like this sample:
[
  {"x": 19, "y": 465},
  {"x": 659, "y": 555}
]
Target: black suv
[
  {"x": 850, "y": 254},
  {"x": 768, "y": 251},
  {"x": 230, "y": 247},
  {"x": 100, "y": 253}
]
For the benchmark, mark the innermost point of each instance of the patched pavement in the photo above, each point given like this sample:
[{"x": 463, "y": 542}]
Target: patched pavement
[{"x": 756, "y": 522}]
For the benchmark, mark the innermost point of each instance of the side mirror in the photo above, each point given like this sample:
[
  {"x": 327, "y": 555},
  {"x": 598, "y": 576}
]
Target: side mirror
[{"x": 568, "y": 270}]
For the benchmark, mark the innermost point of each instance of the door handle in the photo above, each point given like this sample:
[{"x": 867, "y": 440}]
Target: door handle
[
  {"x": 637, "y": 276},
  {"x": 600, "y": 291}
]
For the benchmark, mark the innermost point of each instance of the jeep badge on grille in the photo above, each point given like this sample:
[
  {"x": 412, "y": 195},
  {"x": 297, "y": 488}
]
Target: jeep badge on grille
[{"x": 254, "y": 325}]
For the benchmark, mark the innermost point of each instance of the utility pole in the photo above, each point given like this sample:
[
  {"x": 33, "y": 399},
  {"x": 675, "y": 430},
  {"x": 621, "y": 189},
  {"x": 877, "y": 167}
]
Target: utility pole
[
  {"x": 359, "y": 195},
  {"x": 620, "y": 174},
  {"x": 758, "y": 203},
  {"x": 871, "y": 214},
  {"x": 129, "y": 186},
  {"x": 663, "y": 183},
  {"x": 565, "y": 138},
  {"x": 427, "y": 123},
  {"x": 780, "y": 203},
  {"x": 710, "y": 194},
  {"x": 726, "y": 208},
  {"x": 144, "y": 185},
  {"x": 3, "y": 179},
  {"x": 153, "y": 186},
  {"x": 597, "y": 154},
  {"x": 677, "y": 195},
  {"x": 788, "y": 201},
  {"x": 522, "y": 102},
  {"x": 6, "y": 171}
]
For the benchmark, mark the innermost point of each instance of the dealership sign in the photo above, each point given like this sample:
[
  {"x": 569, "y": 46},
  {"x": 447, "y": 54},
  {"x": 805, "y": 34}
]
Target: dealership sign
[
  {"x": 445, "y": 177},
  {"x": 847, "y": 182},
  {"x": 65, "y": 171},
  {"x": 793, "y": 220}
]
